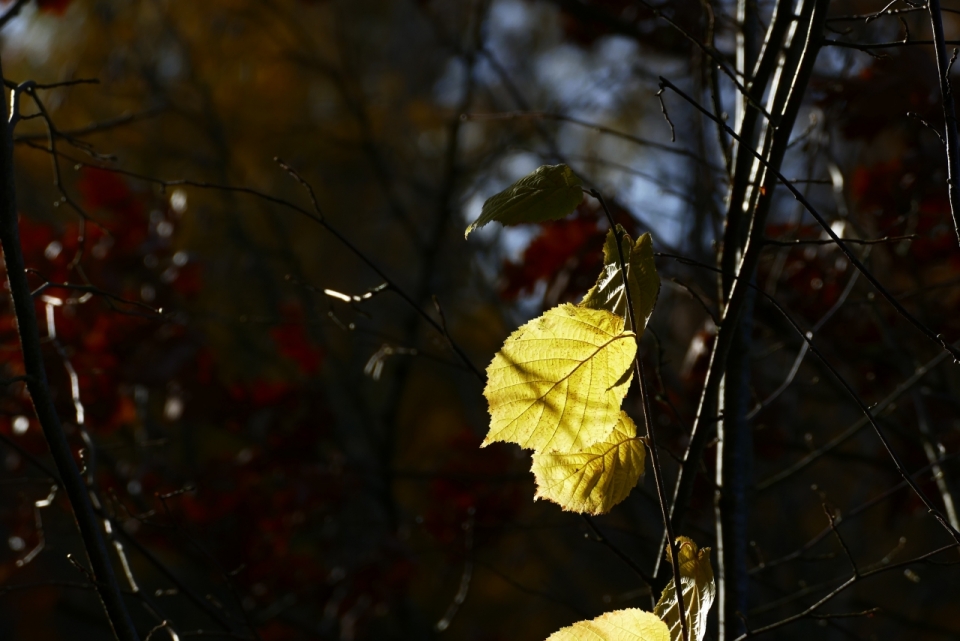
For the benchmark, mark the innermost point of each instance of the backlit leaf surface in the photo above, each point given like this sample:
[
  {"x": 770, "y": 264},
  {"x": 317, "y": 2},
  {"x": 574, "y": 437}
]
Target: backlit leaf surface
[
  {"x": 609, "y": 293},
  {"x": 559, "y": 380},
  {"x": 632, "y": 624},
  {"x": 699, "y": 591},
  {"x": 595, "y": 479},
  {"x": 549, "y": 193}
]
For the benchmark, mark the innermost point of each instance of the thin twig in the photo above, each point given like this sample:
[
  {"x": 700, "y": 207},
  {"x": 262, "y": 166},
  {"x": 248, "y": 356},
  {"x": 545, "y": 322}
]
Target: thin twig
[
  {"x": 847, "y": 615},
  {"x": 600, "y": 538},
  {"x": 648, "y": 420},
  {"x": 850, "y": 514},
  {"x": 181, "y": 586},
  {"x": 713, "y": 55},
  {"x": 666, "y": 116},
  {"x": 841, "y": 588},
  {"x": 833, "y": 235},
  {"x": 315, "y": 217},
  {"x": 803, "y": 350},
  {"x": 886, "y": 11},
  {"x": 94, "y": 127},
  {"x": 307, "y": 186},
  {"x": 830, "y": 241},
  {"x": 867, "y": 412},
  {"x": 540, "y": 115},
  {"x": 867, "y": 47},
  {"x": 699, "y": 299},
  {"x": 465, "y": 578},
  {"x": 573, "y": 607},
  {"x": 950, "y": 138},
  {"x": 859, "y": 424},
  {"x": 833, "y": 527}
]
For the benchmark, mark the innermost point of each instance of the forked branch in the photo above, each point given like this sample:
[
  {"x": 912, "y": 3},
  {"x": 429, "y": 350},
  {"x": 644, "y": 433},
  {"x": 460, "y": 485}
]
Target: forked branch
[{"x": 105, "y": 579}]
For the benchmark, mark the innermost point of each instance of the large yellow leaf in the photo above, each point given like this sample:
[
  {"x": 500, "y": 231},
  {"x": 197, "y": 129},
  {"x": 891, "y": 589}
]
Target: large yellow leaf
[
  {"x": 699, "y": 591},
  {"x": 597, "y": 478},
  {"x": 559, "y": 380},
  {"x": 622, "y": 625},
  {"x": 609, "y": 292},
  {"x": 549, "y": 193}
]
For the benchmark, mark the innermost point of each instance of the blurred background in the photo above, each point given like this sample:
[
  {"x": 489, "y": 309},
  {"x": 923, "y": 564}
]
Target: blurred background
[{"x": 287, "y": 450}]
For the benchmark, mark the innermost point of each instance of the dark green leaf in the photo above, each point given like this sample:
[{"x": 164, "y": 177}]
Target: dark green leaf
[{"x": 549, "y": 193}]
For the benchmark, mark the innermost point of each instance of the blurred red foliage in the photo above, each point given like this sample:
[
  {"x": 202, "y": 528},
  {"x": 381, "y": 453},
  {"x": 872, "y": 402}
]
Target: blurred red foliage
[
  {"x": 259, "y": 480},
  {"x": 473, "y": 486},
  {"x": 56, "y": 7},
  {"x": 256, "y": 499},
  {"x": 586, "y": 21},
  {"x": 566, "y": 255}
]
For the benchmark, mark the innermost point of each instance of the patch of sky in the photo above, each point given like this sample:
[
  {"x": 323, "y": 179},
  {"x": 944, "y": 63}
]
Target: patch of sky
[
  {"x": 647, "y": 182},
  {"x": 514, "y": 240},
  {"x": 503, "y": 244},
  {"x": 485, "y": 74},
  {"x": 609, "y": 79},
  {"x": 520, "y": 25},
  {"x": 596, "y": 84},
  {"x": 471, "y": 211},
  {"x": 564, "y": 72},
  {"x": 828, "y": 198},
  {"x": 663, "y": 213},
  {"x": 448, "y": 90},
  {"x": 838, "y": 62},
  {"x": 529, "y": 305},
  {"x": 512, "y": 18},
  {"x": 517, "y": 165}
]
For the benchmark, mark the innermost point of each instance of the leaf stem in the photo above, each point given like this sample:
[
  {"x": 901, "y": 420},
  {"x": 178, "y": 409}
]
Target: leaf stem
[{"x": 647, "y": 419}]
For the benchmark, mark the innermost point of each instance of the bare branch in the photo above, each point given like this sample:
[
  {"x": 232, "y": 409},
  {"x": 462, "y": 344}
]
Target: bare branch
[
  {"x": 105, "y": 579},
  {"x": 950, "y": 138}
]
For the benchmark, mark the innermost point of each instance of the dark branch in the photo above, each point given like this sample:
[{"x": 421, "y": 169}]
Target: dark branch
[
  {"x": 950, "y": 139},
  {"x": 90, "y": 529}
]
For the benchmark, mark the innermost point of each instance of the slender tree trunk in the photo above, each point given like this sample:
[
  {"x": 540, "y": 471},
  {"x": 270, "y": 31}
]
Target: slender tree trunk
[
  {"x": 733, "y": 476},
  {"x": 91, "y": 530},
  {"x": 734, "y": 442}
]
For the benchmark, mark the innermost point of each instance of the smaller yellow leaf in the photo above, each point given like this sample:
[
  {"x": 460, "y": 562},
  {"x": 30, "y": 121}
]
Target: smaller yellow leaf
[
  {"x": 699, "y": 591},
  {"x": 631, "y": 624},
  {"x": 609, "y": 293},
  {"x": 595, "y": 479}
]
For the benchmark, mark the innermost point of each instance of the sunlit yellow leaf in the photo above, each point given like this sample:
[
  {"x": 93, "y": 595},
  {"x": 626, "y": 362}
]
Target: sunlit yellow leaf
[
  {"x": 559, "y": 380},
  {"x": 597, "y": 478},
  {"x": 622, "y": 625},
  {"x": 549, "y": 193},
  {"x": 609, "y": 294},
  {"x": 699, "y": 590}
]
